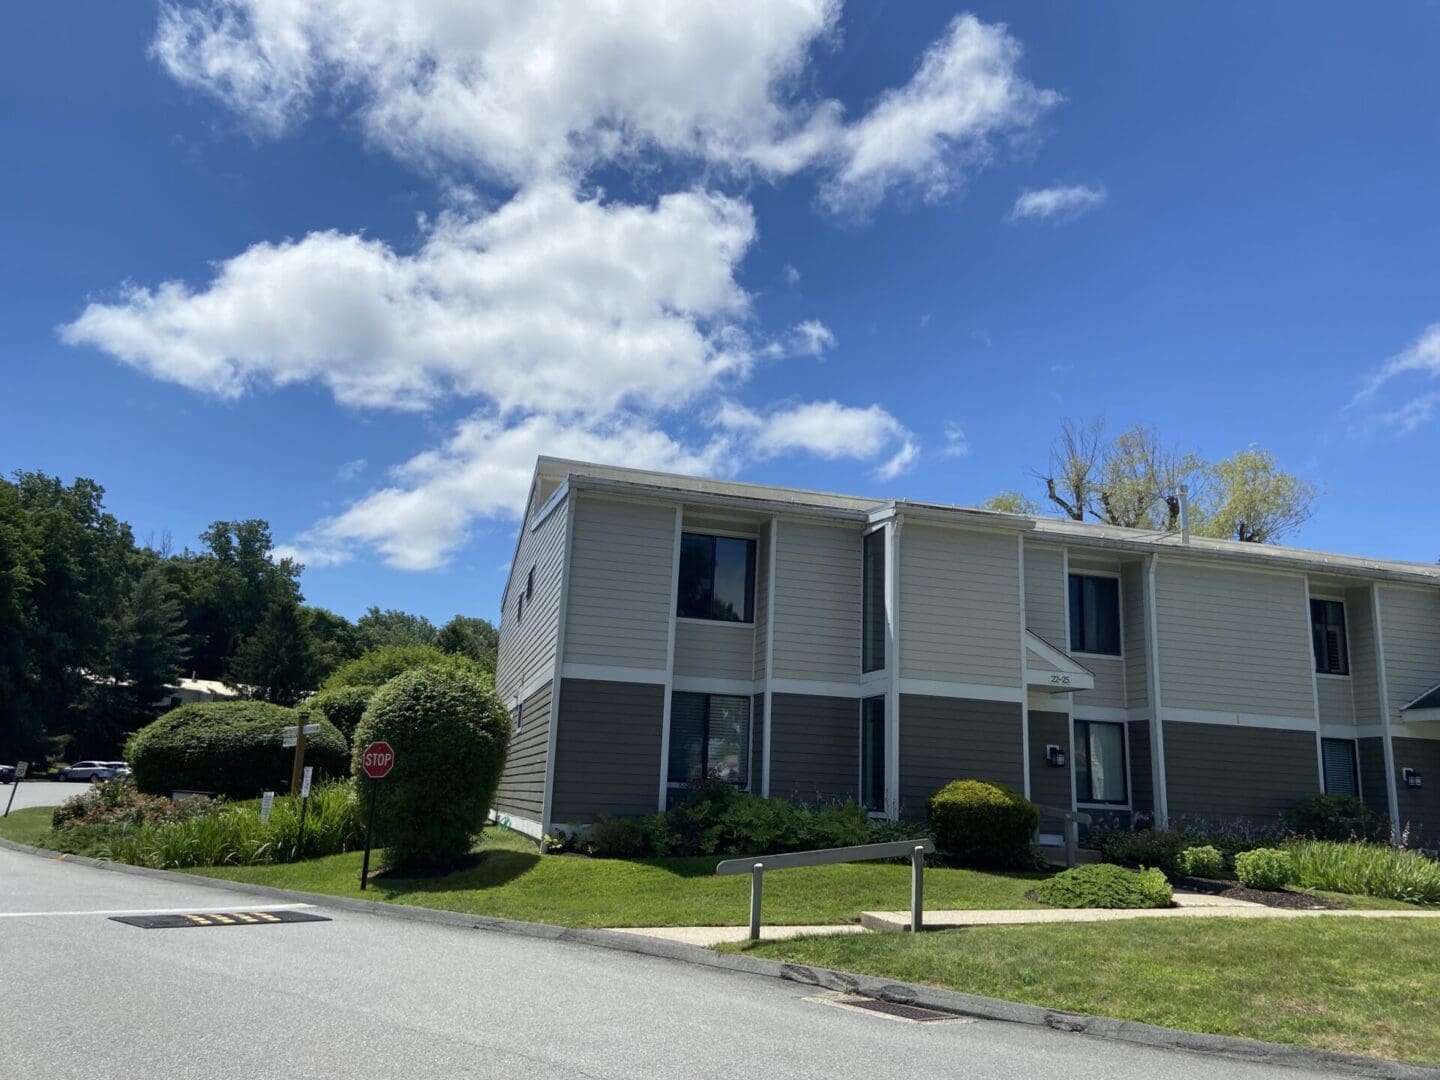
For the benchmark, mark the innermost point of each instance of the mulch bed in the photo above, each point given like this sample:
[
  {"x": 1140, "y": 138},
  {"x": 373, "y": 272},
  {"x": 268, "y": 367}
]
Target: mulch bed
[{"x": 1231, "y": 891}]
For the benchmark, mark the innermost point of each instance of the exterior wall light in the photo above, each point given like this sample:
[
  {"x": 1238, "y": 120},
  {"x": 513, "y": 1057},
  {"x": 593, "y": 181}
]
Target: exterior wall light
[
  {"x": 1055, "y": 757},
  {"x": 1413, "y": 778}
]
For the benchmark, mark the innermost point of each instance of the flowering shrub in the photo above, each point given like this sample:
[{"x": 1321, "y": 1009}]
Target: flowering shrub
[{"x": 117, "y": 802}]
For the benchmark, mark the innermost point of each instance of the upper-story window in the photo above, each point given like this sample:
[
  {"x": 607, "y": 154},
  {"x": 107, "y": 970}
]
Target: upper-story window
[
  {"x": 1095, "y": 614},
  {"x": 717, "y": 578},
  {"x": 1327, "y": 633},
  {"x": 872, "y": 602}
]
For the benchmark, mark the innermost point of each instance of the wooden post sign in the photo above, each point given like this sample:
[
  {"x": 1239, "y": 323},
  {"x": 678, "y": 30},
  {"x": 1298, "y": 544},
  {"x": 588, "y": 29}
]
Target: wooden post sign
[
  {"x": 376, "y": 763},
  {"x": 296, "y": 735},
  {"x": 21, "y": 768}
]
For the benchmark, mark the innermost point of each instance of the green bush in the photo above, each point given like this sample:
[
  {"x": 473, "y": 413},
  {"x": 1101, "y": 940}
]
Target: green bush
[
  {"x": 979, "y": 822},
  {"x": 343, "y": 706},
  {"x": 1203, "y": 862},
  {"x": 715, "y": 818},
  {"x": 1104, "y": 885},
  {"x": 449, "y": 731},
  {"x": 379, "y": 666},
  {"x": 1334, "y": 817},
  {"x": 616, "y": 839},
  {"x": 1366, "y": 870},
  {"x": 1144, "y": 847},
  {"x": 228, "y": 747},
  {"x": 1265, "y": 868},
  {"x": 118, "y": 802}
]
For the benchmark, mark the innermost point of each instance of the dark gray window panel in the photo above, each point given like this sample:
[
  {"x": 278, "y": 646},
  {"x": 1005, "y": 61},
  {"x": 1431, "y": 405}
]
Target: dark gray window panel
[
  {"x": 944, "y": 739},
  {"x": 1372, "y": 777},
  {"x": 709, "y": 738},
  {"x": 872, "y": 602},
  {"x": 607, "y": 750},
  {"x": 1327, "y": 637},
  {"x": 1342, "y": 770},
  {"x": 1142, "y": 784},
  {"x": 717, "y": 578},
  {"x": 814, "y": 748},
  {"x": 522, "y": 784},
  {"x": 1049, "y": 786},
  {"x": 1095, "y": 614},
  {"x": 872, "y": 753},
  {"x": 1218, "y": 771}
]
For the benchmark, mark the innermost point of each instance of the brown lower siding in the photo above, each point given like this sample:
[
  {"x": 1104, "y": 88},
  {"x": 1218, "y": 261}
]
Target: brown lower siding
[
  {"x": 1419, "y": 807},
  {"x": 814, "y": 748},
  {"x": 944, "y": 739},
  {"x": 1373, "y": 787},
  {"x": 522, "y": 785},
  {"x": 757, "y": 743},
  {"x": 1142, "y": 782},
  {"x": 607, "y": 750},
  {"x": 1049, "y": 786},
  {"x": 1217, "y": 771}
]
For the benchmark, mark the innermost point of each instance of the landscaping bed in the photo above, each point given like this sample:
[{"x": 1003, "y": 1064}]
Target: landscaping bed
[
  {"x": 1356, "y": 985},
  {"x": 1281, "y": 898}
]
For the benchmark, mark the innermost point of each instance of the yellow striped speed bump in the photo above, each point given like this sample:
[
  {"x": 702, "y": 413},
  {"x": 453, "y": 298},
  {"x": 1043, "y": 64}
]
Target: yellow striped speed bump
[{"x": 217, "y": 918}]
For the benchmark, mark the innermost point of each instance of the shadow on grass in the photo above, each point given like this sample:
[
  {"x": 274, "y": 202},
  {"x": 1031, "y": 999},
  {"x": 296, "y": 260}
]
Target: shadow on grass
[{"x": 481, "y": 870}]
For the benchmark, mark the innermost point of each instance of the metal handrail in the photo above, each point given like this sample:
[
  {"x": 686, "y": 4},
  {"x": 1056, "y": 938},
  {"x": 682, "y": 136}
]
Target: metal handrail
[
  {"x": 756, "y": 867},
  {"x": 1073, "y": 819}
]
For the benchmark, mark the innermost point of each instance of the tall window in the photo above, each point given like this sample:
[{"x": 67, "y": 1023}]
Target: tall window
[
  {"x": 1100, "y": 762},
  {"x": 717, "y": 578},
  {"x": 872, "y": 602},
  {"x": 1095, "y": 614},
  {"x": 709, "y": 738},
  {"x": 1341, "y": 775},
  {"x": 872, "y": 753},
  {"x": 1327, "y": 633}
]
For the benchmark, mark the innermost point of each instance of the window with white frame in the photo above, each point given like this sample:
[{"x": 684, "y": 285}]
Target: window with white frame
[
  {"x": 1095, "y": 614},
  {"x": 709, "y": 738},
  {"x": 1100, "y": 773}
]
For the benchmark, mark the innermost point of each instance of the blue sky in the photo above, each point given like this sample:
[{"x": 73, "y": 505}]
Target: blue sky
[{"x": 780, "y": 244}]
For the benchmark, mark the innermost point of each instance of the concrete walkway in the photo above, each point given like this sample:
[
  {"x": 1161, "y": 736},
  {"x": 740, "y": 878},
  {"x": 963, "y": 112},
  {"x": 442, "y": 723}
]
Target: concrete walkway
[{"x": 1188, "y": 906}]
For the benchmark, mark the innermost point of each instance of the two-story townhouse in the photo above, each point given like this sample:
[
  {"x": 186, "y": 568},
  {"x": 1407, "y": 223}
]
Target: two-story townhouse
[{"x": 658, "y": 629}]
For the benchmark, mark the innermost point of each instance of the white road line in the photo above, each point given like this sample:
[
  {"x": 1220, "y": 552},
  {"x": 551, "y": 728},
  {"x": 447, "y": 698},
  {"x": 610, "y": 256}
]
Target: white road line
[{"x": 194, "y": 910}]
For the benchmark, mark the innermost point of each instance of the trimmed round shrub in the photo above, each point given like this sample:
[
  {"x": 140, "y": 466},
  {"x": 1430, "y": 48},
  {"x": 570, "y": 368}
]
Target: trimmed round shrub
[
  {"x": 1104, "y": 885},
  {"x": 1334, "y": 817},
  {"x": 379, "y": 666},
  {"x": 228, "y": 747},
  {"x": 1265, "y": 868},
  {"x": 1203, "y": 862},
  {"x": 449, "y": 731},
  {"x": 343, "y": 706},
  {"x": 979, "y": 822},
  {"x": 616, "y": 839}
]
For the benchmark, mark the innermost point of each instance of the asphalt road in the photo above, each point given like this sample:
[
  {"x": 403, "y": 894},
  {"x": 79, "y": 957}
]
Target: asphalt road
[
  {"x": 41, "y": 793},
  {"x": 367, "y": 996}
]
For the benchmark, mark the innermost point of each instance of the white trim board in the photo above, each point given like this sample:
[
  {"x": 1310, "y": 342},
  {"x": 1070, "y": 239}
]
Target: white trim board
[
  {"x": 1231, "y": 719},
  {"x": 975, "y": 691},
  {"x": 611, "y": 673},
  {"x": 525, "y": 825},
  {"x": 694, "y": 684}
]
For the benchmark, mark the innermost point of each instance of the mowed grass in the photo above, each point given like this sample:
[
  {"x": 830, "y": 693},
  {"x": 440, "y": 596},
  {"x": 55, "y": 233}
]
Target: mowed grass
[
  {"x": 28, "y": 826},
  {"x": 509, "y": 880},
  {"x": 1368, "y": 986}
]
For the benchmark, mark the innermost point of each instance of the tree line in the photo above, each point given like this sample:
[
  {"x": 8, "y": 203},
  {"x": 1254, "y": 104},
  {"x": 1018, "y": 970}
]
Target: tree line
[{"x": 94, "y": 627}]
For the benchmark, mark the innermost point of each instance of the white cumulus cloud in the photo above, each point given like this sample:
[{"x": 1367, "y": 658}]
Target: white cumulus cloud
[
  {"x": 826, "y": 429},
  {"x": 1056, "y": 203}
]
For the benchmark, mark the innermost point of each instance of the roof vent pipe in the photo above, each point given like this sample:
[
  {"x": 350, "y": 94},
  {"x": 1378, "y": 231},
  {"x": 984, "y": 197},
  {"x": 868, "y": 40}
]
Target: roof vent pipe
[{"x": 1184, "y": 513}]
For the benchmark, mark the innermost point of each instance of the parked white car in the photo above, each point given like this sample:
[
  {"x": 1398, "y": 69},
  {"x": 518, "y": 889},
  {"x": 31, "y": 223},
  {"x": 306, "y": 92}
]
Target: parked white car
[{"x": 93, "y": 770}]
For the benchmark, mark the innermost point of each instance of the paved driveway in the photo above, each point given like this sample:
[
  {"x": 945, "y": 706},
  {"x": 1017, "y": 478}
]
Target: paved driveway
[
  {"x": 367, "y": 996},
  {"x": 40, "y": 793}
]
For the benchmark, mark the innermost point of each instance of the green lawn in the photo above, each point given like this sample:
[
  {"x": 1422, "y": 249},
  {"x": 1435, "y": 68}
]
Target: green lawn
[
  {"x": 1366, "y": 986},
  {"x": 511, "y": 881},
  {"x": 28, "y": 826}
]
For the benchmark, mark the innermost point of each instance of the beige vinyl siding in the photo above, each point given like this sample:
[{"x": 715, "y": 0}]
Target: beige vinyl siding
[
  {"x": 714, "y": 650},
  {"x": 814, "y": 748},
  {"x": 607, "y": 750},
  {"x": 1133, "y": 634},
  {"x": 527, "y": 643},
  {"x": 817, "y": 602},
  {"x": 1109, "y": 681},
  {"x": 959, "y": 606},
  {"x": 944, "y": 739},
  {"x": 522, "y": 785},
  {"x": 762, "y": 600},
  {"x": 618, "y": 610},
  {"x": 1410, "y": 636},
  {"x": 1336, "y": 700},
  {"x": 1231, "y": 770},
  {"x": 1232, "y": 641},
  {"x": 1364, "y": 672},
  {"x": 1049, "y": 786},
  {"x": 1045, "y": 587}
]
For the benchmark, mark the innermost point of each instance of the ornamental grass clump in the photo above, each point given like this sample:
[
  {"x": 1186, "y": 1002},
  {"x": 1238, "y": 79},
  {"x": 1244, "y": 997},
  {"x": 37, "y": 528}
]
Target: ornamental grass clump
[
  {"x": 1265, "y": 868},
  {"x": 1104, "y": 885},
  {"x": 1366, "y": 870}
]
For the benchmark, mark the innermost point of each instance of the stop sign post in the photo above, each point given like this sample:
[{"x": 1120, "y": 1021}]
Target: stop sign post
[{"x": 376, "y": 763}]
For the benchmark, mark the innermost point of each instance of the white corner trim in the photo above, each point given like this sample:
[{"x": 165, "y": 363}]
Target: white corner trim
[
  {"x": 892, "y": 665},
  {"x": 558, "y": 496},
  {"x": 669, "y": 673},
  {"x": 1158, "y": 781},
  {"x": 769, "y": 696},
  {"x": 1382, "y": 681},
  {"x": 1025, "y": 636},
  {"x": 1315, "y": 689},
  {"x": 552, "y": 735}
]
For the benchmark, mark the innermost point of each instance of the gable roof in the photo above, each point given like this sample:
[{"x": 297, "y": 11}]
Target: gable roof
[{"x": 770, "y": 498}]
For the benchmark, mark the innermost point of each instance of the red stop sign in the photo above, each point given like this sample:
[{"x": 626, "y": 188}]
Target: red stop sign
[{"x": 378, "y": 760}]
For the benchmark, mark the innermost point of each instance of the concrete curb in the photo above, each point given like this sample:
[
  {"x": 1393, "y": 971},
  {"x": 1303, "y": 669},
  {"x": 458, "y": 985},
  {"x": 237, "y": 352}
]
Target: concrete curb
[{"x": 970, "y": 1005}]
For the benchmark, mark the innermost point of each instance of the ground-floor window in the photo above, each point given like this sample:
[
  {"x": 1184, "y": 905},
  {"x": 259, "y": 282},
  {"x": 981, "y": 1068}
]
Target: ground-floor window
[
  {"x": 872, "y": 753},
  {"x": 1341, "y": 775},
  {"x": 1100, "y": 762},
  {"x": 709, "y": 738}
]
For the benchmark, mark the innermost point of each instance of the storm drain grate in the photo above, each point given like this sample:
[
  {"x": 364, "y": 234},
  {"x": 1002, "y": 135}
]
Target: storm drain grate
[
  {"x": 899, "y": 1010},
  {"x": 217, "y": 918}
]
